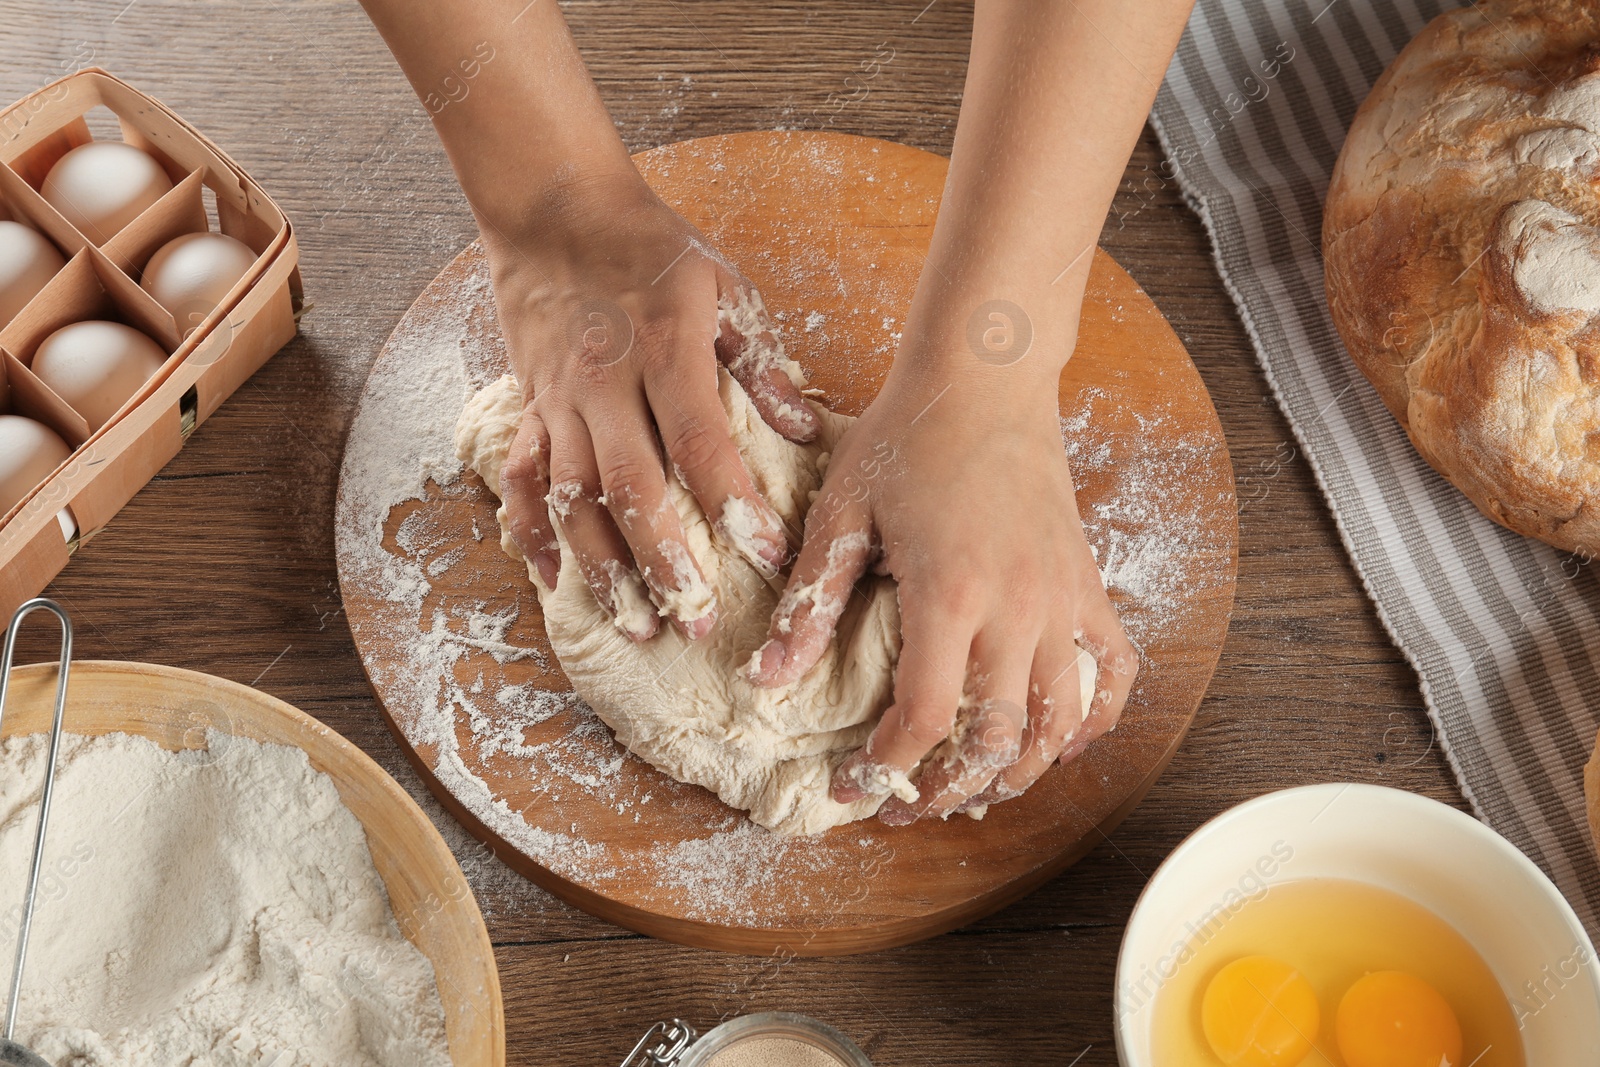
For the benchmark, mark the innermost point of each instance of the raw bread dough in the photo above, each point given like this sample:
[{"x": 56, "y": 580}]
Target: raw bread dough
[{"x": 686, "y": 706}]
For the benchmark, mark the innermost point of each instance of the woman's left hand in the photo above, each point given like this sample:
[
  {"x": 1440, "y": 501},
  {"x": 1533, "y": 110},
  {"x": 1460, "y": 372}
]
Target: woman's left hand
[{"x": 966, "y": 499}]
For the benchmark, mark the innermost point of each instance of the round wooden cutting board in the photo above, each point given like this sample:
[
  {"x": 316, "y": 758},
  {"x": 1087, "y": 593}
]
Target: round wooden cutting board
[{"x": 832, "y": 230}]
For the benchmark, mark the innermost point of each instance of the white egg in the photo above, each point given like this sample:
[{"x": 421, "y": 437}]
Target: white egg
[
  {"x": 96, "y": 366},
  {"x": 190, "y": 275},
  {"x": 29, "y": 451},
  {"x": 102, "y": 186},
  {"x": 27, "y": 261}
]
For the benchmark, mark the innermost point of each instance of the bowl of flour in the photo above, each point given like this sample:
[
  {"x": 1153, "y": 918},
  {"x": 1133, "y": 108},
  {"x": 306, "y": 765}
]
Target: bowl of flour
[{"x": 229, "y": 882}]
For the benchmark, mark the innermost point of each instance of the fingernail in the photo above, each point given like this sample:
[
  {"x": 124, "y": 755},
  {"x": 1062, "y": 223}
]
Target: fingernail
[
  {"x": 769, "y": 661},
  {"x": 896, "y": 812},
  {"x": 775, "y": 552},
  {"x": 976, "y": 800},
  {"x": 695, "y": 629},
  {"x": 803, "y": 424},
  {"x": 548, "y": 566},
  {"x": 755, "y": 531},
  {"x": 639, "y": 627},
  {"x": 844, "y": 792},
  {"x": 997, "y": 793}
]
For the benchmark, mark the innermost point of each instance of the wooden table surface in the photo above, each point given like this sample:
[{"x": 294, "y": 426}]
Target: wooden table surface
[{"x": 224, "y": 563}]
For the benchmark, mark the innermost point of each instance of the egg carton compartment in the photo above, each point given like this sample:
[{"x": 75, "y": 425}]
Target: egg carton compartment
[
  {"x": 22, "y": 393},
  {"x": 207, "y": 357},
  {"x": 58, "y": 123},
  {"x": 180, "y": 213},
  {"x": 89, "y": 288},
  {"x": 44, "y": 126},
  {"x": 26, "y": 213},
  {"x": 15, "y": 253}
]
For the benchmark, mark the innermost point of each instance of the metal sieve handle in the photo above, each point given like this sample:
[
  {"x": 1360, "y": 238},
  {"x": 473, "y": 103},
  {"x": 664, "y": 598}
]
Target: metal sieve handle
[{"x": 49, "y": 780}]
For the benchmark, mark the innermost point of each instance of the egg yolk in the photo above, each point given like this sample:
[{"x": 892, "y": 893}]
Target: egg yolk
[
  {"x": 1260, "y": 1012},
  {"x": 1395, "y": 1019}
]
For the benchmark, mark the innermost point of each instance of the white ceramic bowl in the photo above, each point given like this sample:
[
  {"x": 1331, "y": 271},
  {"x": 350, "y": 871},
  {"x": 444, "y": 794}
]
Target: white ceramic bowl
[{"x": 1448, "y": 862}]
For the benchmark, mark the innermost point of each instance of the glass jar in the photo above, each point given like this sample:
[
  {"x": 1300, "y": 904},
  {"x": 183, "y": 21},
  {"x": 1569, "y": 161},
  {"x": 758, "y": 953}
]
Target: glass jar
[{"x": 674, "y": 1044}]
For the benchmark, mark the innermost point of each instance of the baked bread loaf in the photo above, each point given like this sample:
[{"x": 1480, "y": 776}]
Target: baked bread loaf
[{"x": 1461, "y": 240}]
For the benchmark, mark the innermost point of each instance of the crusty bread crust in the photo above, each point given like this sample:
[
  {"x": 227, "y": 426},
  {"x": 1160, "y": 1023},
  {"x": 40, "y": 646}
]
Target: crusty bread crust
[{"x": 1461, "y": 244}]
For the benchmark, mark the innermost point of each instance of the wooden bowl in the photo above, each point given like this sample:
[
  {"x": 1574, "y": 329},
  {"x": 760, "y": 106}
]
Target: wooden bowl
[{"x": 428, "y": 894}]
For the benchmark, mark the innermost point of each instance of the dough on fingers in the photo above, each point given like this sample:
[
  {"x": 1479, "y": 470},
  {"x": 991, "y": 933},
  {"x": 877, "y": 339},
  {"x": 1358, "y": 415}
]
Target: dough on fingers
[{"x": 688, "y": 707}]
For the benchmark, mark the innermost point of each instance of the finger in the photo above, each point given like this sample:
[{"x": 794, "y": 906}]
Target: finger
[
  {"x": 747, "y": 344},
  {"x": 694, "y": 429},
  {"x": 934, "y": 645},
  {"x": 835, "y": 554},
  {"x": 525, "y": 496},
  {"x": 1116, "y": 661},
  {"x": 986, "y": 737},
  {"x": 597, "y": 545},
  {"x": 635, "y": 484},
  {"x": 1059, "y": 694}
]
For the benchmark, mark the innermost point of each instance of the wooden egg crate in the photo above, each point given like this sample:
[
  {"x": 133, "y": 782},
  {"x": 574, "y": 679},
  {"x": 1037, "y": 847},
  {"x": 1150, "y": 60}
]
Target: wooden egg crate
[{"x": 206, "y": 360}]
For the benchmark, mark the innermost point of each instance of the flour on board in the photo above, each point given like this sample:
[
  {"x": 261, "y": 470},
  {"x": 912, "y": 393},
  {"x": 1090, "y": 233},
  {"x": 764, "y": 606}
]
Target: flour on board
[{"x": 447, "y": 672}]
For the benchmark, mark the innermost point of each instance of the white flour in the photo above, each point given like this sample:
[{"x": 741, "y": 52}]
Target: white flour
[
  {"x": 216, "y": 907},
  {"x": 1554, "y": 257}
]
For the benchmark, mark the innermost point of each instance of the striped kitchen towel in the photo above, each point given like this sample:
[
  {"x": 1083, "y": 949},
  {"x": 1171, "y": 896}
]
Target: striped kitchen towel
[{"x": 1504, "y": 631}]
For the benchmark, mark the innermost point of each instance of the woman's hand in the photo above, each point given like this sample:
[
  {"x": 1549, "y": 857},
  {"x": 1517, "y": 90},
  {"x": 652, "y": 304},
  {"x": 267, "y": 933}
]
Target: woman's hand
[
  {"x": 965, "y": 496},
  {"x": 615, "y": 312},
  {"x": 609, "y": 304},
  {"x": 969, "y": 506}
]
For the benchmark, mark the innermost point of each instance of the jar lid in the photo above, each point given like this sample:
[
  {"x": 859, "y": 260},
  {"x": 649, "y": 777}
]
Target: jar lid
[{"x": 674, "y": 1043}]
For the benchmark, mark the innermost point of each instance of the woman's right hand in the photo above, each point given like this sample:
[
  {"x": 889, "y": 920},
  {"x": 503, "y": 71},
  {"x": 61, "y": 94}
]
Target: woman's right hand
[{"x": 609, "y": 305}]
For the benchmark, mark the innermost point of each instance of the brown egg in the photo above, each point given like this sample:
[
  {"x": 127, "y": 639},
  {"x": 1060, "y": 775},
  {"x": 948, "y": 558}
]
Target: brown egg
[
  {"x": 29, "y": 451},
  {"x": 27, "y": 261},
  {"x": 96, "y": 366},
  {"x": 190, "y": 275},
  {"x": 102, "y": 186}
]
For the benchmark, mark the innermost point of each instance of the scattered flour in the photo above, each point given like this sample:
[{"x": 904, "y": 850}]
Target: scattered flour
[
  {"x": 1146, "y": 537},
  {"x": 461, "y": 687},
  {"x": 213, "y": 907}
]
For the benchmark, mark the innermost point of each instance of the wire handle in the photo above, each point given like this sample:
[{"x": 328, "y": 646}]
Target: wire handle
[
  {"x": 49, "y": 778},
  {"x": 670, "y": 1041}
]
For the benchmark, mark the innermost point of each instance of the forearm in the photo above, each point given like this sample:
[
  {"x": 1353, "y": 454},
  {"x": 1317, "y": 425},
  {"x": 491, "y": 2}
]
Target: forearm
[
  {"x": 509, "y": 95},
  {"x": 1056, "y": 94}
]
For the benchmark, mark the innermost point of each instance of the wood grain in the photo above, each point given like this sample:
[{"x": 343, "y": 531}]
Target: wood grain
[
  {"x": 832, "y": 229},
  {"x": 225, "y": 562}
]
